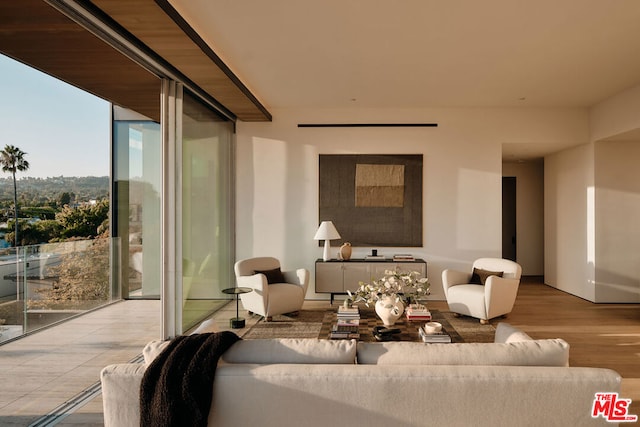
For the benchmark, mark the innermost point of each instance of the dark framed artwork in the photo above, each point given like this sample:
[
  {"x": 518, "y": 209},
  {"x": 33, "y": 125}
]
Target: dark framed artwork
[{"x": 372, "y": 199}]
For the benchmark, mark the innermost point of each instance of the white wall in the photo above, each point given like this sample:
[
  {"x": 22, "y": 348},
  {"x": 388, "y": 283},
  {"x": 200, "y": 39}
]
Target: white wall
[
  {"x": 592, "y": 205},
  {"x": 617, "y": 213},
  {"x": 569, "y": 224},
  {"x": 277, "y": 178},
  {"x": 529, "y": 214},
  {"x": 592, "y": 233},
  {"x": 616, "y": 115}
]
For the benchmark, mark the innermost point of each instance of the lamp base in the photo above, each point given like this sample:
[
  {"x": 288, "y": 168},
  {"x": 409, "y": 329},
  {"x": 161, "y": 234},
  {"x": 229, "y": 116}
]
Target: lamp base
[
  {"x": 327, "y": 249},
  {"x": 237, "y": 323}
]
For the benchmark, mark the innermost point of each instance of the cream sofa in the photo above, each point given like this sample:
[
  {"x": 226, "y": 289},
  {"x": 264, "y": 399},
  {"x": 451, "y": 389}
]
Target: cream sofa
[{"x": 515, "y": 381}]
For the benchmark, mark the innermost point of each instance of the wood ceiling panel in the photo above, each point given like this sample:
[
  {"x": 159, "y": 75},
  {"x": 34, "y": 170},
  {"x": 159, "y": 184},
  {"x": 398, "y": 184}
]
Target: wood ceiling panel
[
  {"x": 158, "y": 26},
  {"x": 36, "y": 34}
]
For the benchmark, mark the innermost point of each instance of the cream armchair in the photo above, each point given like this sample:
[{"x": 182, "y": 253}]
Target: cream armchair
[
  {"x": 480, "y": 294},
  {"x": 274, "y": 291}
]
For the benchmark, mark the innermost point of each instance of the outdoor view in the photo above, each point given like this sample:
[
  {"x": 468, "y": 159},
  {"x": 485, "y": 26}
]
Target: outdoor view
[{"x": 55, "y": 246}]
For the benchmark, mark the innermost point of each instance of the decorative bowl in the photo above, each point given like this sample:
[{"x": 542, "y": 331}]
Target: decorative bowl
[{"x": 432, "y": 327}]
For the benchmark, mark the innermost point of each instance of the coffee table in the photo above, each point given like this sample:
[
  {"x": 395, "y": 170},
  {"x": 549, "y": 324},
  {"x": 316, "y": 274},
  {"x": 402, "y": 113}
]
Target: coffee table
[{"x": 369, "y": 319}]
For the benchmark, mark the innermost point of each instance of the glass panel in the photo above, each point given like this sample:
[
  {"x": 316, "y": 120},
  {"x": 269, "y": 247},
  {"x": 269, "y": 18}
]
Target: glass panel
[
  {"x": 207, "y": 231},
  {"x": 137, "y": 184},
  {"x": 55, "y": 281}
]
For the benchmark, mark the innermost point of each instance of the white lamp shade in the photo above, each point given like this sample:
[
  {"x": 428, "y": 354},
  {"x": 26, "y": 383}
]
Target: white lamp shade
[{"x": 326, "y": 231}]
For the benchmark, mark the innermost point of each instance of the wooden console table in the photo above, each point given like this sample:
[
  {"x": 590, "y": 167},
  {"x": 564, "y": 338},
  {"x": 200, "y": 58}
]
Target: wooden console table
[{"x": 337, "y": 276}]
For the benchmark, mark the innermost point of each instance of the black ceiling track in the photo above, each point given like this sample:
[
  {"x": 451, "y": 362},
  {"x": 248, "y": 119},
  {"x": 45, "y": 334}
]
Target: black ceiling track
[{"x": 366, "y": 125}]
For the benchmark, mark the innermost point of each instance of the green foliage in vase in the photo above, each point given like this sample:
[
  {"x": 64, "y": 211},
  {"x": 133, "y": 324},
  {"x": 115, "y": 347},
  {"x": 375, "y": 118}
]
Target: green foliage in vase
[{"x": 393, "y": 284}]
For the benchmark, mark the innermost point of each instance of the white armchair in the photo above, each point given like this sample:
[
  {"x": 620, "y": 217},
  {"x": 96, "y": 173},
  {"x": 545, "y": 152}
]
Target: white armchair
[
  {"x": 274, "y": 291},
  {"x": 483, "y": 295}
]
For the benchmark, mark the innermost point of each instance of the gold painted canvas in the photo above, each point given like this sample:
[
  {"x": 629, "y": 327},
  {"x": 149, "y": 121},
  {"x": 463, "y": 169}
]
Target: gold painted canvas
[{"x": 379, "y": 186}]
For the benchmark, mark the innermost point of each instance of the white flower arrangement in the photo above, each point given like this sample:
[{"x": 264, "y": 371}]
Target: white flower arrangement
[{"x": 393, "y": 284}]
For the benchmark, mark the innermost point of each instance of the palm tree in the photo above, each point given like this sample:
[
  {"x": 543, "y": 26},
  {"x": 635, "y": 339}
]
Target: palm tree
[{"x": 12, "y": 160}]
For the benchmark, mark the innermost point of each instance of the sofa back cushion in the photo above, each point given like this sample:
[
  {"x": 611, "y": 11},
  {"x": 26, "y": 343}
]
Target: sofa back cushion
[
  {"x": 153, "y": 349},
  {"x": 507, "y": 333},
  {"x": 552, "y": 352},
  {"x": 277, "y": 350},
  {"x": 291, "y": 350}
]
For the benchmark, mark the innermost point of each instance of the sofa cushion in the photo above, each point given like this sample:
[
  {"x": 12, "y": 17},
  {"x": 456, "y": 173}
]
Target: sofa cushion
[
  {"x": 551, "y": 352},
  {"x": 153, "y": 349},
  {"x": 479, "y": 276},
  {"x": 291, "y": 350},
  {"x": 507, "y": 333},
  {"x": 278, "y": 350}
]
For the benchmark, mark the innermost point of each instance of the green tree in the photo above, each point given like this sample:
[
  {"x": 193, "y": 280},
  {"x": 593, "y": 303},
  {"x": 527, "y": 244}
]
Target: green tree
[
  {"x": 35, "y": 233},
  {"x": 84, "y": 221},
  {"x": 65, "y": 198},
  {"x": 40, "y": 212},
  {"x": 12, "y": 160}
]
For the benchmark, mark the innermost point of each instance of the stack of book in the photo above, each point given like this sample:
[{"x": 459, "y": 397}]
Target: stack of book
[
  {"x": 418, "y": 312},
  {"x": 403, "y": 257},
  {"x": 438, "y": 337},
  {"x": 347, "y": 324},
  {"x": 339, "y": 332},
  {"x": 348, "y": 312}
]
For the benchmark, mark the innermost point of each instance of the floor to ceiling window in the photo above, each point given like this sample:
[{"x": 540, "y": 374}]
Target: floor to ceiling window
[
  {"x": 137, "y": 182},
  {"x": 55, "y": 242},
  {"x": 172, "y": 162},
  {"x": 206, "y": 209},
  {"x": 203, "y": 207}
]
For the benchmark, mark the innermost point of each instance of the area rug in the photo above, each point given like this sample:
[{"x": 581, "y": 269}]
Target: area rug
[
  {"x": 318, "y": 323},
  {"x": 304, "y": 324}
]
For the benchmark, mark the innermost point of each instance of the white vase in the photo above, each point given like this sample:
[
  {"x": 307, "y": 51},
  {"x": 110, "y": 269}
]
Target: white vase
[{"x": 389, "y": 310}]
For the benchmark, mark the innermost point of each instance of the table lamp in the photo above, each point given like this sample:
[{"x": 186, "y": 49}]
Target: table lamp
[{"x": 327, "y": 231}]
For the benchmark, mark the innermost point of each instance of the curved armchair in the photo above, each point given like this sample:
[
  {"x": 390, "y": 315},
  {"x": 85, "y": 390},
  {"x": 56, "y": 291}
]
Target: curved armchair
[
  {"x": 274, "y": 291},
  {"x": 488, "y": 291}
]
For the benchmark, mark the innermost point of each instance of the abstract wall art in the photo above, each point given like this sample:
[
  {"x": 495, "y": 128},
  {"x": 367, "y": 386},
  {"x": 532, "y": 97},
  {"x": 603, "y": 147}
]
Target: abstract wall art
[{"x": 373, "y": 199}]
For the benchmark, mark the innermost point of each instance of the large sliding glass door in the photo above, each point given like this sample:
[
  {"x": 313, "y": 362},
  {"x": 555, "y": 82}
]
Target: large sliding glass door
[
  {"x": 137, "y": 188},
  {"x": 173, "y": 193},
  {"x": 206, "y": 153}
]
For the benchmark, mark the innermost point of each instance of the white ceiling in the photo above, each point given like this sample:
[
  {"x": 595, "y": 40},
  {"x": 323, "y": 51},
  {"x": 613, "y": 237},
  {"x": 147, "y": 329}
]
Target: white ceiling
[{"x": 424, "y": 53}]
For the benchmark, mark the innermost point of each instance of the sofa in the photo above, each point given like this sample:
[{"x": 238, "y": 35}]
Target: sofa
[{"x": 514, "y": 381}]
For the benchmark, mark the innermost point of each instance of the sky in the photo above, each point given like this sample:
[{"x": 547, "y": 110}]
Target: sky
[{"x": 63, "y": 130}]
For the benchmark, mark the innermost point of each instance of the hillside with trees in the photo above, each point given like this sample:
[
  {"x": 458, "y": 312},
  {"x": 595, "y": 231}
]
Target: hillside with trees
[
  {"x": 53, "y": 191},
  {"x": 56, "y": 208}
]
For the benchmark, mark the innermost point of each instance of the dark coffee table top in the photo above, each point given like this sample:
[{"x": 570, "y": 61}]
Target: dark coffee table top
[{"x": 369, "y": 319}]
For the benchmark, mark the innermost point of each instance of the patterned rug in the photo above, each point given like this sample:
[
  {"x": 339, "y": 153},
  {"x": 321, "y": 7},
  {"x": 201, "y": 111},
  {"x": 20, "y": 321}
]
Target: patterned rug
[{"x": 318, "y": 323}]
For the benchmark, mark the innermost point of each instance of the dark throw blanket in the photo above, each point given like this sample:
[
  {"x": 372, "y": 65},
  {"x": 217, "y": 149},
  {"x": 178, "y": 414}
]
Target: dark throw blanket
[{"x": 177, "y": 386}]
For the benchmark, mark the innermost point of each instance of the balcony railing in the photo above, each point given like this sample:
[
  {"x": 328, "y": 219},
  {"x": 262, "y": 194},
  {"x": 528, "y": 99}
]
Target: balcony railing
[{"x": 44, "y": 284}]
